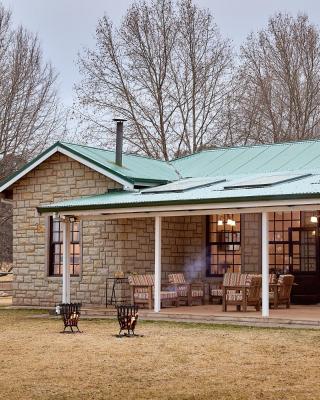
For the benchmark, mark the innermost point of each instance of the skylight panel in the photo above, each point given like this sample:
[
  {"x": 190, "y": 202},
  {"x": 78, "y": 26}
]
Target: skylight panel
[
  {"x": 183, "y": 185},
  {"x": 264, "y": 181}
]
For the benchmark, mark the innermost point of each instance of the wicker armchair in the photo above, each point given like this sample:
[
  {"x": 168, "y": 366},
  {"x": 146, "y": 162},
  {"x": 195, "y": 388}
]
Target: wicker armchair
[
  {"x": 281, "y": 292},
  {"x": 229, "y": 279},
  {"x": 187, "y": 292},
  {"x": 247, "y": 293},
  {"x": 232, "y": 279},
  {"x": 142, "y": 291}
]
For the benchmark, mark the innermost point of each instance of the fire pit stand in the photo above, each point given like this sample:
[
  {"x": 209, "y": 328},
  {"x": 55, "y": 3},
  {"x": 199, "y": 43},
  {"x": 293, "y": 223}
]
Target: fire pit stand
[
  {"x": 70, "y": 314},
  {"x": 127, "y": 318}
]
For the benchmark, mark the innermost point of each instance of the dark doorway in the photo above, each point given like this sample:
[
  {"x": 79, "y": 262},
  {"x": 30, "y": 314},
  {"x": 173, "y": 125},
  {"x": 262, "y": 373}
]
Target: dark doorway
[{"x": 304, "y": 264}]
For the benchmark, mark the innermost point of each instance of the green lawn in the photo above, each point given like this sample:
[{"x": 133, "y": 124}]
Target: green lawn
[{"x": 171, "y": 361}]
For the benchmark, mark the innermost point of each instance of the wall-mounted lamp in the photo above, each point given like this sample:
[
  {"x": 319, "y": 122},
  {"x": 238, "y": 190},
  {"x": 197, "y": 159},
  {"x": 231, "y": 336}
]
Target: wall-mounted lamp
[
  {"x": 314, "y": 219},
  {"x": 220, "y": 222},
  {"x": 231, "y": 222}
]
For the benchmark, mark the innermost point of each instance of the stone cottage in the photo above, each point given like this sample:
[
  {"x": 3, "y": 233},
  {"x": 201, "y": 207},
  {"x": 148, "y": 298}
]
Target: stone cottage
[{"x": 229, "y": 209}]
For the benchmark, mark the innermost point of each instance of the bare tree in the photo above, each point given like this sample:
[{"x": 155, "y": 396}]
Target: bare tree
[
  {"x": 29, "y": 114},
  {"x": 278, "y": 83},
  {"x": 200, "y": 70},
  {"x": 164, "y": 70}
]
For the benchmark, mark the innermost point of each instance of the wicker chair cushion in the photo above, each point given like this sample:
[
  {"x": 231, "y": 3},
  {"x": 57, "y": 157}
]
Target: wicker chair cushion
[
  {"x": 197, "y": 293},
  {"x": 163, "y": 295},
  {"x": 236, "y": 279},
  {"x": 231, "y": 279},
  {"x": 176, "y": 278},
  {"x": 219, "y": 292},
  {"x": 141, "y": 290},
  {"x": 141, "y": 280},
  {"x": 141, "y": 296},
  {"x": 182, "y": 293},
  {"x": 233, "y": 296},
  {"x": 216, "y": 292},
  {"x": 182, "y": 288},
  {"x": 168, "y": 295}
]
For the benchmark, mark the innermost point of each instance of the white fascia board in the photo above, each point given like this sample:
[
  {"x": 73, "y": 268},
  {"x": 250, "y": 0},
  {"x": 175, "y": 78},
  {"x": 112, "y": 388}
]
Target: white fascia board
[
  {"x": 200, "y": 209},
  {"x": 30, "y": 168},
  {"x": 72, "y": 156}
]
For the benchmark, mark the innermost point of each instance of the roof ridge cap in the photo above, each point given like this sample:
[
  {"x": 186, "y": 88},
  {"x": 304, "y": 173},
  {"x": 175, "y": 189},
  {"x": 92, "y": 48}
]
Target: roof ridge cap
[{"x": 112, "y": 151}]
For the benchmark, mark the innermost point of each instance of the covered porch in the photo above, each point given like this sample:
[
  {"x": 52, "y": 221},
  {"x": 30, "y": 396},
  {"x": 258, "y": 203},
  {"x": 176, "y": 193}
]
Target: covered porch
[{"x": 207, "y": 311}]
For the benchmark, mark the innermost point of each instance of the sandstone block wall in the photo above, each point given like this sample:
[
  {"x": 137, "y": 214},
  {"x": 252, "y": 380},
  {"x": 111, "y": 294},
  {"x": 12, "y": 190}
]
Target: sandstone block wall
[
  {"x": 251, "y": 243},
  {"x": 56, "y": 179}
]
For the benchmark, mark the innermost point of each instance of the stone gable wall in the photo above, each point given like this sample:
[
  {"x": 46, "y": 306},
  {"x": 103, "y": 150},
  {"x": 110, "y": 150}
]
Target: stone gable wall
[{"x": 56, "y": 179}]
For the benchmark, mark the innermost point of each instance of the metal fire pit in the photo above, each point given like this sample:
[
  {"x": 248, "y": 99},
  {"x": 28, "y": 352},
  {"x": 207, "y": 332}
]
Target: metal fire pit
[
  {"x": 127, "y": 317},
  {"x": 70, "y": 314}
]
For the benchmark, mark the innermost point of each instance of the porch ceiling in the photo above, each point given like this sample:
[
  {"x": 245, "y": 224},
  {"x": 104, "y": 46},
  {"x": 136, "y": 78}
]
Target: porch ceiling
[{"x": 304, "y": 191}]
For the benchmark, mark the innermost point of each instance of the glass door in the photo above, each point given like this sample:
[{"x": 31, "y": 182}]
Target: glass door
[
  {"x": 304, "y": 264},
  {"x": 303, "y": 249}
]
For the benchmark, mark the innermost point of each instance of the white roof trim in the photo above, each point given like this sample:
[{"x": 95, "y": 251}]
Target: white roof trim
[
  {"x": 74, "y": 157},
  {"x": 199, "y": 209},
  {"x": 27, "y": 170}
]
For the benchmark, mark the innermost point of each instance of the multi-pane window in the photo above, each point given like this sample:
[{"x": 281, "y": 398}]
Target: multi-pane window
[
  {"x": 56, "y": 248},
  {"x": 224, "y": 244},
  {"x": 279, "y": 230}
]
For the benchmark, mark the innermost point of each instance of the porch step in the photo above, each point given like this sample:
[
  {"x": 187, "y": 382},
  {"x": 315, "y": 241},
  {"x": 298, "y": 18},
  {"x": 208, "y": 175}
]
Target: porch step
[
  {"x": 246, "y": 321},
  {"x": 149, "y": 315}
]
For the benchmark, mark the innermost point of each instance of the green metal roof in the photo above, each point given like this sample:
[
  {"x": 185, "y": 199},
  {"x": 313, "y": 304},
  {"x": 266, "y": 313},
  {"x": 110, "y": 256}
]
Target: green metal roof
[
  {"x": 134, "y": 167},
  {"x": 219, "y": 164},
  {"x": 292, "y": 156},
  {"x": 304, "y": 188},
  {"x": 267, "y": 158}
]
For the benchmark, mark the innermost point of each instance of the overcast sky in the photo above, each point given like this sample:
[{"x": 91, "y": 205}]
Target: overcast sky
[{"x": 66, "y": 26}]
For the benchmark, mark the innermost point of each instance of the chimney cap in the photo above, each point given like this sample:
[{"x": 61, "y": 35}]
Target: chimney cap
[{"x": 119, "y": 119}]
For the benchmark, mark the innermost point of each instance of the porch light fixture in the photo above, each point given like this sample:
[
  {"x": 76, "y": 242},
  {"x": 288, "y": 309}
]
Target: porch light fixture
[
  {"x": 314, "y": 219},
  {"x": 220, "y": 222},
  {"x": 231, "y": 222}
]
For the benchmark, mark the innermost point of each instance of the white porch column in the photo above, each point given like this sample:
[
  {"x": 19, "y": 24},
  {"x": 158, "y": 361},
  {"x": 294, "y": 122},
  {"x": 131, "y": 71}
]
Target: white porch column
[
  {"x": 66, "y": 260},
  {"x": 265, "y": 265},
  {"x": 157, "y": 265}
]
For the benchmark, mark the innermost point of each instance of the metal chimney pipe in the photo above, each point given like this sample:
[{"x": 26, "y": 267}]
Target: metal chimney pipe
[{"x": 119, "y": 140}]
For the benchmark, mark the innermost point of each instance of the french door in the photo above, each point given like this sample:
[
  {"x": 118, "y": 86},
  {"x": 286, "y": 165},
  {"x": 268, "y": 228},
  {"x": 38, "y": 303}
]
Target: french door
[{"x": 304, "y": 264}]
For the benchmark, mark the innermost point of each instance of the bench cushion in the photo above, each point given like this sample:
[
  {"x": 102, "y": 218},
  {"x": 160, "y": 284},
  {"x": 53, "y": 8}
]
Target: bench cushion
[
  {"x": 144, "y": 295},
  {"x": 164, "y": 295},
  {"x": 216, "y": 292},
  {"x": 197, "y": 293},
  {"x": 141, "y": 280},
  {"x": 177, "y": 278}
]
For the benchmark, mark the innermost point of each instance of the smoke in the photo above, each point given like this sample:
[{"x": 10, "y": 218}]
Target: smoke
[{"x": 193, "y": 269}]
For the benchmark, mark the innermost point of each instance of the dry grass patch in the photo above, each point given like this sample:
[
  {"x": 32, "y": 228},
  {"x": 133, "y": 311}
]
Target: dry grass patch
[{"x": 172, "y": 361}]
